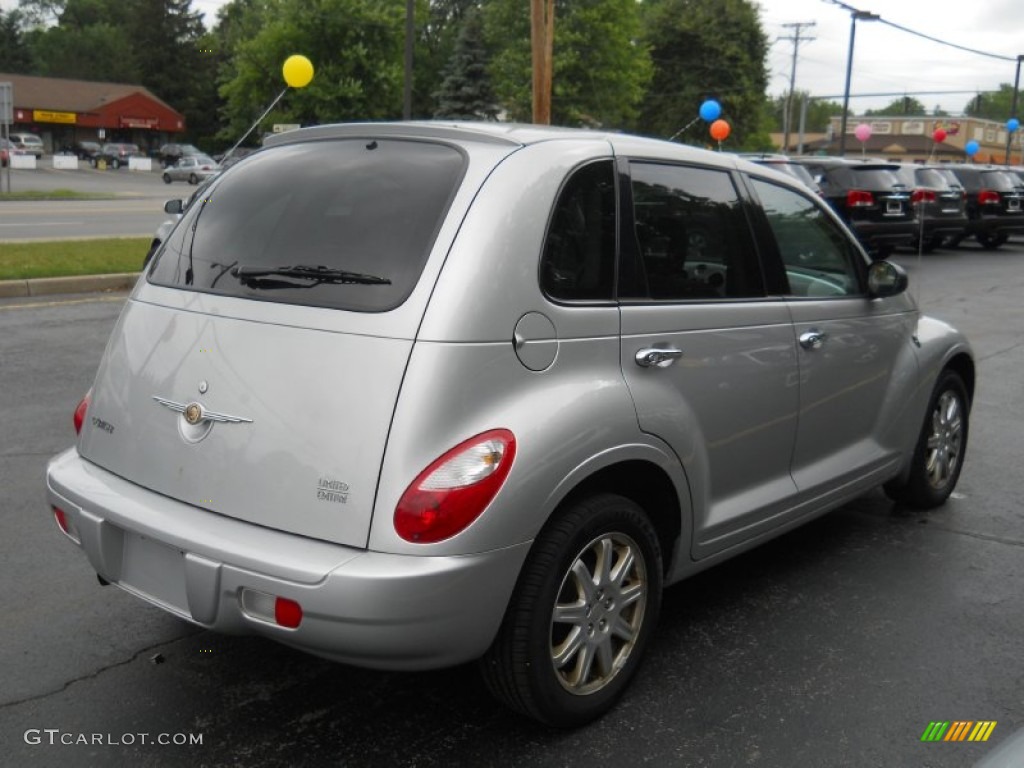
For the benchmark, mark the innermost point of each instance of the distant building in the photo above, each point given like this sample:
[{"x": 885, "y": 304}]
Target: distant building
[
  {"x": 910, "y": 139},
  {"x": 65, "y": 111}
]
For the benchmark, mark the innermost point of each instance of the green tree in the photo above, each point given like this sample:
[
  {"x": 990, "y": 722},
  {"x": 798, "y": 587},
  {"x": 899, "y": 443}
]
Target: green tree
[
  {"x": 101, "y": 52},
  {"x": 905, "y": 105},
  {"x": 438, "y": 25},
  {"x": 356, "y": 47},
  {"x": 705, "y": 49},
  {"x": 601, "y": 69},
  {"x": 15, "y": 54},
  {"x": 819, "y": 112},
  {"x": 466, "y": 91},
  {"x": 994, "y": 105}
]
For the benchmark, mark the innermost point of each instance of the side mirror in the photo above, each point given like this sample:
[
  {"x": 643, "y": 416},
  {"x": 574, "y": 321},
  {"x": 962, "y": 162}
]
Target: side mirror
[
  {"x": 174, "y": 207},
  {"x": 886, "y": 279}
]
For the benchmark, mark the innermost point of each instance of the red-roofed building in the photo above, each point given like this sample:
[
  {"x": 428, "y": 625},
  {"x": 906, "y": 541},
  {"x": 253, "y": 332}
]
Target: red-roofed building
[{"x": 65, "y": 111}]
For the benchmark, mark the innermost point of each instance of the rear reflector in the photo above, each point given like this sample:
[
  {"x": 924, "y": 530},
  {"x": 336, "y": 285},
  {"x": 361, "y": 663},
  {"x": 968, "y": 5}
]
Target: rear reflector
[
  {"x": 66, "y": 524},
  {"x": 271, "y": 608}
]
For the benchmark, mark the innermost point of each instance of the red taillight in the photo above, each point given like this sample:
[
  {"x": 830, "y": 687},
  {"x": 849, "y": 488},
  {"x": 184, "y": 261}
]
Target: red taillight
[
  {"x": 919, "y": 196},
  {"x": 988, "y": 197},
  {"x": 80, "y": 412},
  {"x": 456, "y": 488},
  {"x": 287, "y": 612},
  {"x": 859, "y": 198}
]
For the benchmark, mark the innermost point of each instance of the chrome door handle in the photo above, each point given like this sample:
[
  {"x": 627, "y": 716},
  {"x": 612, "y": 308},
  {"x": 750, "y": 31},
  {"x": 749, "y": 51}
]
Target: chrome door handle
[
  {"x": 812, "y": 339},
  {"x": 652, "y": 357}
]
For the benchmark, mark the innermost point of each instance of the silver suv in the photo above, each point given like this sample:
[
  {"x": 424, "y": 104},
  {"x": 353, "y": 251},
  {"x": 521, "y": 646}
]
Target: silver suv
[{"x": 408, "y": 395}]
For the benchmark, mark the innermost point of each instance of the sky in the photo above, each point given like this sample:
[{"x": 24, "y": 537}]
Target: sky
[{"x": 886, "y": 60}]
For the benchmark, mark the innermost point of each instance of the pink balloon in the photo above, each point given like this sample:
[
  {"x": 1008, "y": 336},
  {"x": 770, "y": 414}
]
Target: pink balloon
[
  {"x": 939, "y": 135},
  {"x": 862, "y": 132}
]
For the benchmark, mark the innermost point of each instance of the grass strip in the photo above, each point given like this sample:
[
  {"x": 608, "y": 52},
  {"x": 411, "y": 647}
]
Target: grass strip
[
  {"x": 54, "y": 194},
  {"x": 61, "y": 258}
]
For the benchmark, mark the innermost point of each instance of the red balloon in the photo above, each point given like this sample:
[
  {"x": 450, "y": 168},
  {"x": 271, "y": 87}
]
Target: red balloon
[
  {"x": 939, "y": 135},
  {"x": 720, "y": 130}
]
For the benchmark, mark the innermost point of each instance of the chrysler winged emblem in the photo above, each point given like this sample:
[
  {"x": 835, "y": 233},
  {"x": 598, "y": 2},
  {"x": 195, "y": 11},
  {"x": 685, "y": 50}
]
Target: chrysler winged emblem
[
  {"x": 197, "y": 421},
  {"x": 195, "y": 413}
]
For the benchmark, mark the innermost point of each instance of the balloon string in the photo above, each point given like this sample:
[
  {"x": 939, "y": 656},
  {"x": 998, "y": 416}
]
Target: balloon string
[
  {"x": 684, "y": 128},
  {"x": 253, "y": 126}
]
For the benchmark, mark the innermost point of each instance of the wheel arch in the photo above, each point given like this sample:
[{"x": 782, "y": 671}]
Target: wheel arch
[{"x": 646, "y": 484}]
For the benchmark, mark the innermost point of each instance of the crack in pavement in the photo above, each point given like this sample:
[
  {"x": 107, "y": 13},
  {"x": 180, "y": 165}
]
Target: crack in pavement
[
  {"x": 97, "y": 672},
  {"x": 998, "y": 352},
  {"x": 977, "y": 535}
]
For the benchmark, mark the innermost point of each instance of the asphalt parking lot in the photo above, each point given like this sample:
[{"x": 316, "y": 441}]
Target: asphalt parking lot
[{"x": 835, "y": 645}]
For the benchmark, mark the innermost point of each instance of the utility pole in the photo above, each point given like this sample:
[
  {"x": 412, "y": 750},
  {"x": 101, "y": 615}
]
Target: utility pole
[
  {"x": 542, "y": 36},
  {"x": 797, "y": 28}
]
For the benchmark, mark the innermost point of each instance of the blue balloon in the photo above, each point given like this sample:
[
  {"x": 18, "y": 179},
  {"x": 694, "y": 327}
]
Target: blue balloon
[
  {"x": 1012, "y": 124},
  {"x": 710, "y": 110},
  {"x": 971, "y": 148}
]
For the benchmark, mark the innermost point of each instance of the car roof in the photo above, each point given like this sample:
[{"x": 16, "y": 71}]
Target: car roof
[{"x": 520, "y": 135}]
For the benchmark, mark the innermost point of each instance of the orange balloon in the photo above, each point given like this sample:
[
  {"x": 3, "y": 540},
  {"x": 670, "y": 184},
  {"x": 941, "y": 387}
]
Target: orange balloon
[{"x": 720, "y": 130}]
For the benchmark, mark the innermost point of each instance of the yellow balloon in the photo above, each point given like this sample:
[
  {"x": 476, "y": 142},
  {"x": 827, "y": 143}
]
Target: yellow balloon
[{"x": 298, "y": 71}]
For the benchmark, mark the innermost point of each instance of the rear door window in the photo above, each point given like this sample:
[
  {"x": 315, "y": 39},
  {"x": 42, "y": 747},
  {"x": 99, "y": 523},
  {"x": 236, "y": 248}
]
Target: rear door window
[
  {"x": 346, "y": 224},
  {"x": 692, "y": 234}
]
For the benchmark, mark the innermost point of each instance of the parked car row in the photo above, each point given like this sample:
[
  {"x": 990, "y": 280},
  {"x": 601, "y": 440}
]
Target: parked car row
[{"x": 890, "y": 205}]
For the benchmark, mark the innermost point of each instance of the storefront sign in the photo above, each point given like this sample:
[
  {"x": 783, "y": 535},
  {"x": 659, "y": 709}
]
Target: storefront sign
[
  {"x": 138, "y": 122},
  {"x": 46, "y": 116}
]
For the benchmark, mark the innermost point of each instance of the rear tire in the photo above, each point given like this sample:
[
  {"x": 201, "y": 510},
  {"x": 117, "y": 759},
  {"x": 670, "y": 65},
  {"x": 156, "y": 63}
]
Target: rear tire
[
  {"x": 167, "y": 178},
  {"x": 115, "y": 163},
  {"x": 990, "y": 242},
  {"x": 939, "y": 455},
  {"x": 193, "y": 179},
  {"x": 582, "y": 614}
]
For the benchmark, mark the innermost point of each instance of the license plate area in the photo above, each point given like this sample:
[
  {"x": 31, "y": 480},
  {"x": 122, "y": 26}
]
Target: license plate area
[
  {"x": 1013, "y": 204},
  {"x": 154, "y": 571},
  {"x": 893, "y": 206}
]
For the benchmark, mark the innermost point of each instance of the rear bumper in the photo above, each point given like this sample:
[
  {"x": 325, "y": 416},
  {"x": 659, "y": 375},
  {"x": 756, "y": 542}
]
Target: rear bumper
[{"x": 365, "y": 608}]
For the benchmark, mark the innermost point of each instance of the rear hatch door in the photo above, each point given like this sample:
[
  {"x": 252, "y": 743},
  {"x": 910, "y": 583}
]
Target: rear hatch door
[{"x": 256, "y": 371}]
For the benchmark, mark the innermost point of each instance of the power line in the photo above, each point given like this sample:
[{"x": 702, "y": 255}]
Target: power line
[{"x": 909, "y": 31}]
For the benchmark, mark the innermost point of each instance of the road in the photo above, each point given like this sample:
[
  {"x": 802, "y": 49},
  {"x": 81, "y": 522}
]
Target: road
[
  {"x": 135, "y": 210},
  {"x": 834, "y": 645}
]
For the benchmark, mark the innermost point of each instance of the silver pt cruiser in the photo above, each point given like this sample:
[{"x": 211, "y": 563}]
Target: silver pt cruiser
[{"x": 407, "y": 395}]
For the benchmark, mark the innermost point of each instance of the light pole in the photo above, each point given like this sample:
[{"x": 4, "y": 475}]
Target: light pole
[
  {"x": 855, "y": 16},
  {"x": 1013, "y": 109},
  {"x": 410, "y": 31}
]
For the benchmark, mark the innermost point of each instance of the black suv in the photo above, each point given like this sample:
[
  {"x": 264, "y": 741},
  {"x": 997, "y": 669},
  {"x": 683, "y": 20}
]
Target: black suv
[
  {"x": 870, "y": 198},
  {"x": 786, "y": 165},
  {"x": 940, "y": 201},
  {"x": 994, "y": 204}
]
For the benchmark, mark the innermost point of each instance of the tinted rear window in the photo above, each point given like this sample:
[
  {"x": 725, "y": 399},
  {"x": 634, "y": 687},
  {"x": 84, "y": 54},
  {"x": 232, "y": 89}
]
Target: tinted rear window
[
  {"x": 877, "y": 178},
  {"x": 929, "y": 177},
  {"x": 1000, "y": 180},
  {"x": 371, "y": 207}
]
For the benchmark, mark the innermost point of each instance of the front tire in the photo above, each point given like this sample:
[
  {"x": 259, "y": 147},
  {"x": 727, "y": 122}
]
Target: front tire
[
  {"x": 115, "y": 163},
  {"x": 167, "y": 178},
  {"x": 939, "y": 455},
  {"x": 582, "y": 614}
]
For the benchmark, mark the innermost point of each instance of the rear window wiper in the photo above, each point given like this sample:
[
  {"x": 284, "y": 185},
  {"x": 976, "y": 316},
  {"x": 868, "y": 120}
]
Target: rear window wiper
[{"x": 321, "y": 274}]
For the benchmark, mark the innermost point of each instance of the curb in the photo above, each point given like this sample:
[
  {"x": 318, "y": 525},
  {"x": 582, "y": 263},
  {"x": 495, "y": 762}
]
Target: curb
[{"x": 50, "y": 286}]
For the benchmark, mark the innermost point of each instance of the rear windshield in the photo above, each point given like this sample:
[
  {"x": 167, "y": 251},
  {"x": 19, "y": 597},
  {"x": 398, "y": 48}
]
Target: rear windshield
[
  {"x": 874, "y": 178},
  {"x": 935, "y": 179},
  {"x": 345, "y": 223},
  {"x": 1001, "y": 180}
]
